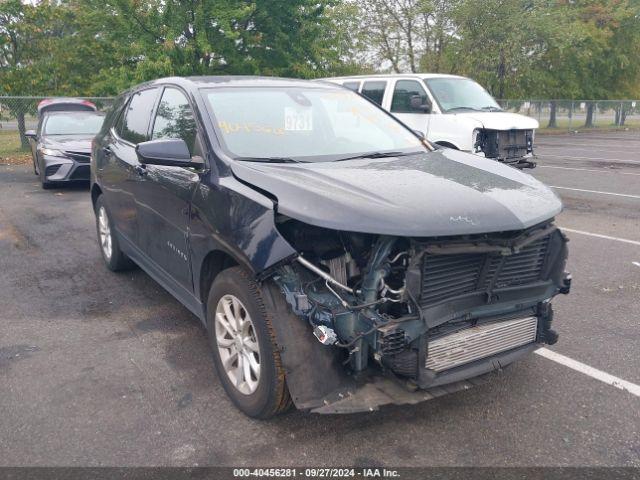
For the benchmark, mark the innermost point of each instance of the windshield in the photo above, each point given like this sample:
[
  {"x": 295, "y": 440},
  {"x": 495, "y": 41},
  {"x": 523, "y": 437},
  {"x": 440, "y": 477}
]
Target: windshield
[
  {"x": 304, "y": 124},
  {"x": 460, "y": 94},
  {"x": 73, "y": 124}
]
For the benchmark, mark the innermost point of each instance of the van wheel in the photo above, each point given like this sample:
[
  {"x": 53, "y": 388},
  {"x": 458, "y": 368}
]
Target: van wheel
[
  {"x": 113, "y": 257},
  {"x": 243, "y": 343}
]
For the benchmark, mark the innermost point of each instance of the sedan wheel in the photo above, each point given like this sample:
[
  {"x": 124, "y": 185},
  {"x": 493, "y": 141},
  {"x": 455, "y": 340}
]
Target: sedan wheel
[{"x": 237, "y": 344}]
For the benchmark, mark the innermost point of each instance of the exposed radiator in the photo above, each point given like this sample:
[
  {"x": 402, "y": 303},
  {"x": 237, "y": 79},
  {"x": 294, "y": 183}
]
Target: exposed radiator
[
  {"x": 478, "y": 342},
  {"x": 448, "y": 276}
]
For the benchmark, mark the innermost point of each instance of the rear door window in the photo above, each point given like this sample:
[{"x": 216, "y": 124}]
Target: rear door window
[
  {"x": 352, "y": 85},
  {"x": 402, "y": 93},
  {"x": 137, "y": 116},
  {"x": 374, "y": 90},
  {"x": 175, "y": 119}
]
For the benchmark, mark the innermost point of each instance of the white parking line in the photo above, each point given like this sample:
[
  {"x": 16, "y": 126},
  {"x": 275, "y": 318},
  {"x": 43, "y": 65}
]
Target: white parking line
[
  {"x": 596, "y": 159},
  {"x": 590, "y": 371},
  {"x": 598, "y": 235},
  {"x": 585, "y": 146},
  {"x": 589, "y": 170},
  {"x": 597, "y": 191}
]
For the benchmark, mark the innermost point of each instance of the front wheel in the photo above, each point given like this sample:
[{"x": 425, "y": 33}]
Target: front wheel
[{"x": 243, "y": 343}]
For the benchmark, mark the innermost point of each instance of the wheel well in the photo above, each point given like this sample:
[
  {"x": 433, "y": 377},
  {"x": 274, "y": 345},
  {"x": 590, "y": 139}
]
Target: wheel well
[
  {"x": 95, "y": 193},
  {"x": 215, "y": 262},
  {"x": 447, "y": 144}
]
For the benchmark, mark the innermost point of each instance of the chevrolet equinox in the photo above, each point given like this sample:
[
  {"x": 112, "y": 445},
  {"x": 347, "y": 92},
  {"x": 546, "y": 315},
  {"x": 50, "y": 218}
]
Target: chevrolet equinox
[{"x": 338, "y": 260}]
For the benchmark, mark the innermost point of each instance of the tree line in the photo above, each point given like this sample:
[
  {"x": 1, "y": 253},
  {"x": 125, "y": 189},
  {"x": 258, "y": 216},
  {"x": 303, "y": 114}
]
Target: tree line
[{"x": 575, "y": 49}]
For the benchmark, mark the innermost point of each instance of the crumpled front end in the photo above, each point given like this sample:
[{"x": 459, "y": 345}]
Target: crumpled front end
[
  {"x": 401, "y": 320},
  {"x": 513, "y": 146}
]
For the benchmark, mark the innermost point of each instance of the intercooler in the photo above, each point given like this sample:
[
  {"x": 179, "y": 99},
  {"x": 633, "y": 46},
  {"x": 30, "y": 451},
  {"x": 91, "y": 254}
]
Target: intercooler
[{"x": 480, "y": 341}]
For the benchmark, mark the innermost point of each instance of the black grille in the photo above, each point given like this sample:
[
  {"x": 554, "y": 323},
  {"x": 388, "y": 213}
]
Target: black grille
[
  {"x": 81, "y": 157},
  {"x": 81, "y": 173},
  {"x": 447, "y": 276}
]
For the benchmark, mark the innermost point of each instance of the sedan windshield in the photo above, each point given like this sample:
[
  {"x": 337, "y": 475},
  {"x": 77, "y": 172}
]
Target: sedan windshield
[
  {"x": 460, "y": 94},
  {"x": 305, "y": 124},
  {"x": 73, "y": 123}
]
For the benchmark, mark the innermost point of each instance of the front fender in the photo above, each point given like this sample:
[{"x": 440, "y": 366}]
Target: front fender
[{"x": 231, "y": 217}]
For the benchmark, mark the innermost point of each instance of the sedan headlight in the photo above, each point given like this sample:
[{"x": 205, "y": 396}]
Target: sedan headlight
[{"x": 51, "y": 152}]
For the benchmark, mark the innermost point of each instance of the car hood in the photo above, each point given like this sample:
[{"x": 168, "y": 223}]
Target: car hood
[
  {"x": 501, "y": 120},
  {"x": 71, "y": 143},
  {"x": 445, "y": 192}
]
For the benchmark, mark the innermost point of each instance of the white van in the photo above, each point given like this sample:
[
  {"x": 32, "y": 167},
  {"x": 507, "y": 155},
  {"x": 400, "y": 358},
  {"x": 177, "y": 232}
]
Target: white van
[{"x": 451, "y": 111}]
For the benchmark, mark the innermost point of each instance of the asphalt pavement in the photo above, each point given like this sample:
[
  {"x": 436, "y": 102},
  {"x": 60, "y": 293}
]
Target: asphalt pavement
[{"x": 98, "y": 368}]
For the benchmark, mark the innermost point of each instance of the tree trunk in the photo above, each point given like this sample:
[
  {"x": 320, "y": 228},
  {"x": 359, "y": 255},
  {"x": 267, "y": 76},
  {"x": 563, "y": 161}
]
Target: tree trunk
[
  {"x": 552, "y": 115},
  {"x": 623, "y": 117},
  {"x": 588, "y": 123},
  {"x": 616, "y": 121},
  {"x": 24, "y": 141}
]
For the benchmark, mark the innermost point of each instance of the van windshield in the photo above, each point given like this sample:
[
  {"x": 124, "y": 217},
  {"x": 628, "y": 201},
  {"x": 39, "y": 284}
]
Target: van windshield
[
  {"x": 460, "y": 94},
  {"x": 305, "y": 124}
]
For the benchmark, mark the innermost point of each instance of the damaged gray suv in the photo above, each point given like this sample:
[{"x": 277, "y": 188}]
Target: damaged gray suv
[{"x": 338, "y": 261}]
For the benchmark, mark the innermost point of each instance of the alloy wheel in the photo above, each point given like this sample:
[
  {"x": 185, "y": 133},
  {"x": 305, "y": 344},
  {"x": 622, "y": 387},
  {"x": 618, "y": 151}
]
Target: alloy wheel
[
  {"x": 105, "y": 233},
  {"x": 237, "y": 344}
]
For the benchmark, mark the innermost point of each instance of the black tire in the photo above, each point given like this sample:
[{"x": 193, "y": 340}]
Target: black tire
[
  {"x": 118, "y": 260},
  {"x": 271, "y": 396},
  {"x": 35, "y": 166}
]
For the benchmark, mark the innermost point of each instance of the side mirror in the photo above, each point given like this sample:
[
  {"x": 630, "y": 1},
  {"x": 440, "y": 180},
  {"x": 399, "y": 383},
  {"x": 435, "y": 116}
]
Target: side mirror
[
  {"x": 170, "y": 152},
  {"x": 416, "y": 104},
  {"x": 30, "y": 134}
]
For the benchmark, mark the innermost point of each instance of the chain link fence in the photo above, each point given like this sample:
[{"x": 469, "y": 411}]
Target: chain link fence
[
  {"x": 572, "y": 115},
  {"x": 19, "y": 114}
]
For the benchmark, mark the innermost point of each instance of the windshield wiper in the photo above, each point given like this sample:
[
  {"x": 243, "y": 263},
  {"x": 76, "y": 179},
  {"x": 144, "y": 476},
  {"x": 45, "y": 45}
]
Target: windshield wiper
[
  {"x": 377, "y": 155},
  {"x": 268, "y": 159},
  {"x": 462, "y": 108},
  {"x": 492, "y": 109}
]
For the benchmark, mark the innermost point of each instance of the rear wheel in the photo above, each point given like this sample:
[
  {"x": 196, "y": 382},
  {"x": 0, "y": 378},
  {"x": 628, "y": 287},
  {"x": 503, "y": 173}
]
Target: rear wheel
[
  {"x": 243, "y": 342},
  {"x": 113, "y": 257}
]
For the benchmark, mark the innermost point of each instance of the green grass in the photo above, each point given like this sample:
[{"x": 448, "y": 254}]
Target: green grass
[
  {"x": 10, "y": 149},
  {"x": 578, "y": 124}
]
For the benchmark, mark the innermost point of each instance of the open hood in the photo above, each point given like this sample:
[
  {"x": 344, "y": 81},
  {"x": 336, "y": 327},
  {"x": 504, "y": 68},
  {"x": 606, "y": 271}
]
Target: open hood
[
  {"x": 501, "y": 120},
  {"x": 445, "y": 192}
]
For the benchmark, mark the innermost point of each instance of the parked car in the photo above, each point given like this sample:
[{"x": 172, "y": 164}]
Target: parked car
[
  {"x": 451, "y": 111},
  {"x": 61, "y": 144},
  {"x": 337, "y": 260}
]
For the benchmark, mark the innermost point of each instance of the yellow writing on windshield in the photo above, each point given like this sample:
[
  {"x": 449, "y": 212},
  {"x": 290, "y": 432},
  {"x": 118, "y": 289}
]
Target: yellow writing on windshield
[{"x": 235, "y": 127}]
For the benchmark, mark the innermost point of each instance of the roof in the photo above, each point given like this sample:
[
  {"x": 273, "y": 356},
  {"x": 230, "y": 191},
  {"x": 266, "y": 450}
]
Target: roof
[
  {"x": 235, "y": 81},
  {"x": 418, "y": 76}
]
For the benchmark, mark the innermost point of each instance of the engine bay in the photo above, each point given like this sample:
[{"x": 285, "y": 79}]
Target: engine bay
[{"x": 384, "y": 302}]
